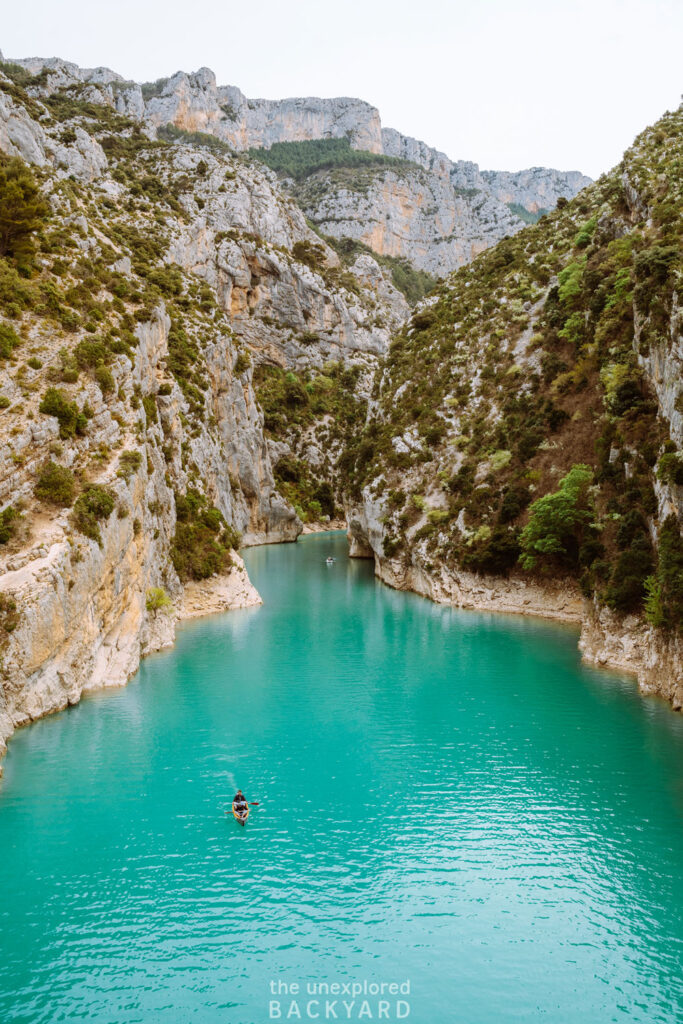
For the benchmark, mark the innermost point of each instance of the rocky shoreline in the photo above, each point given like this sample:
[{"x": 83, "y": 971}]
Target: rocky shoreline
[{"x": 625, "y": 645}]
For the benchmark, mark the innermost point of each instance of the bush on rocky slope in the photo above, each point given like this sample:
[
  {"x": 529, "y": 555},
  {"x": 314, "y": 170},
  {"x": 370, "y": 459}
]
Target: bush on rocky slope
[
  {"x": 413, "y": 283},
  {"x": 22, "y": 211},
  {"x": 316, "y": 407},
  {"x": 55, "y": 485},
  {"x": 92, "y": 507},
  {"x": 202, "y": 542}
]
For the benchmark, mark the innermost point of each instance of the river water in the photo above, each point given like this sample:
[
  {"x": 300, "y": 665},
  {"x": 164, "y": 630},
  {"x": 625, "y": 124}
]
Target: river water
[{"x": 448, "y": 801}]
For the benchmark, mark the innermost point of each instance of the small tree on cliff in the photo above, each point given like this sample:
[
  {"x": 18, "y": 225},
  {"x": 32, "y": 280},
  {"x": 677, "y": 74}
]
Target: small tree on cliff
[
  {"x": 22, "y": 210},
  {"x": 559, "y": 523}
]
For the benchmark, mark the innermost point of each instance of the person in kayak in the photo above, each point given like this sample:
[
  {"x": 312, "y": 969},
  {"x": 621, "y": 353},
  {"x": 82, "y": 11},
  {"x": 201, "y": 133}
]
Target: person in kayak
[{"x": 239, "y": 804}]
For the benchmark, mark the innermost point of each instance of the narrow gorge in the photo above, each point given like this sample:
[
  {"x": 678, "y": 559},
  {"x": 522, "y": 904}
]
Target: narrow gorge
[{"x": 224, "y": 319}]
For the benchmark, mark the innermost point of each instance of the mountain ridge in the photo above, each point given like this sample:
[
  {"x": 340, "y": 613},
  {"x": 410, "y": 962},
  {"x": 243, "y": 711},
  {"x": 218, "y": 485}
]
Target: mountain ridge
[{"x": 438, "y": 220}]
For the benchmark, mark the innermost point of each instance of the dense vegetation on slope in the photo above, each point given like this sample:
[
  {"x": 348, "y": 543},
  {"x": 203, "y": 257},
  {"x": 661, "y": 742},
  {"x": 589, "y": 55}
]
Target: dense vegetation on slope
[
  {"x": 300, "y": 160},
  {"x": 515, "y": 424},
  {"x": 319, "y": 408},
  {"x": 526, "y": 215}
]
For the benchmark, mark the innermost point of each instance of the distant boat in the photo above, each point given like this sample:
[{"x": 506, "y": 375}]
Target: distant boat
[{"x": 329, "y": 560}]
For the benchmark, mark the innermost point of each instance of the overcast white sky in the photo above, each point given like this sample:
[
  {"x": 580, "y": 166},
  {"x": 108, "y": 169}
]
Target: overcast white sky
[{"x": 507, "y": 83}]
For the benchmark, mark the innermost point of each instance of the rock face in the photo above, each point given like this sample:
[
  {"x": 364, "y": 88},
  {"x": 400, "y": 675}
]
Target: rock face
[
  {"x": 632, "y": 646},
  {"x": 409, "y": 213},
  {"x": 437, "y": 213},
  {"x": 21, "y": 136},
  {"x": 195, "y": 103}
]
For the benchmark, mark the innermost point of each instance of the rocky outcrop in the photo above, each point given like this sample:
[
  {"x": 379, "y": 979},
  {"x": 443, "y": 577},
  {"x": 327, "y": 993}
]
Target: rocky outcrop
[
  {"x": 536, "y": 189},
  {"x": 288, "y": 312},
  {"x": 195, "y": 103},
  {"x": 221, "y": 593},
  {"x": 437, "y": 213},
  {"x": 409, "y": 213},
  {"x": 83, "y": 158},
  {"x": 631, "y": 645}
]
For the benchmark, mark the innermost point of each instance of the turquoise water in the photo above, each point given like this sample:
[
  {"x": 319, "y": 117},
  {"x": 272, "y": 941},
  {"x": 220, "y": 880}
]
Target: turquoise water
[{"x": 446, "y": 798}]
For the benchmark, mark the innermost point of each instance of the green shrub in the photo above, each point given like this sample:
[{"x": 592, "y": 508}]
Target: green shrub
[
  {"x": 93, "y": 506},
  {"x": 324, "y": 496},
  {"x": 158, "y": 600},
  {"x": 585, "y": 234},
  {"x": 105, "y": 379},
  {"x": 129, "y": 463},
  {"x": 22, "y": 210},
  {"x": 9, "y": 520},
  {"x": 90, "y": 352},
  {"x": 626, "y": 589},
  {"x": 623, "y": 387},
  {"x": 670, "y": 469},
  {"x": 202, "y": 541},
  {"x": 150, "y": 406},
  {"x": 9, "y": 616},
  {"x": 569, "y": 283},
  {"x": 515, "y": 499},
  {"x": 71, "y": 419},
  {"x": 558, "y": 523},
  {"x": 655, "y": 612},
  {"x": 242, "y": 364},
  {"x": 652, "y": 268},
  {"x": 16, "y": 293},
  {"x": 288, "y": 469},
  {"x": 9, "y": 340},
  {"x": 390, "y": 545},
  {"x": 310, "y": 253},
  {"x": 55, "y": 485},
  {"x": 495, "y": 552},
  {"x": 664, "y": 605}
]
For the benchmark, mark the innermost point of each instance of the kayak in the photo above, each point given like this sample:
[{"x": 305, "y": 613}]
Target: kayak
[{"x": 238, "y": 817}]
